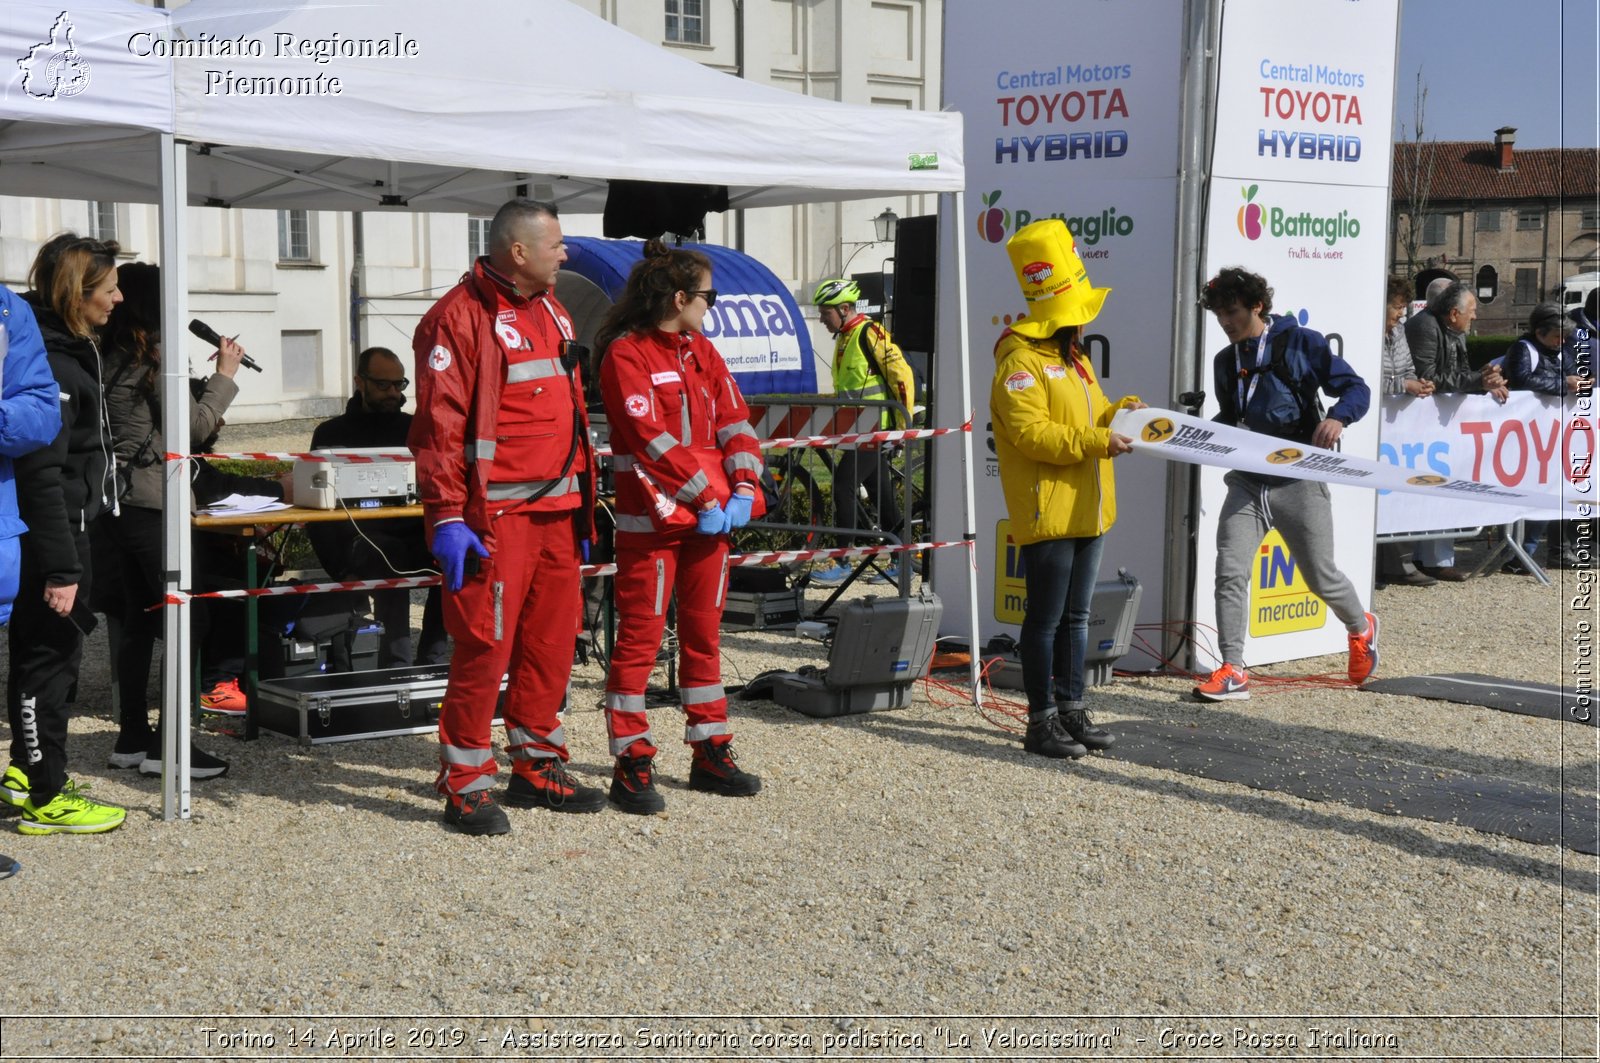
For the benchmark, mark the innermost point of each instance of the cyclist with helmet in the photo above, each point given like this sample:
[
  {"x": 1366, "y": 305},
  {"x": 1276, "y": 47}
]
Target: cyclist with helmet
[{"x": 866, "y": 365}]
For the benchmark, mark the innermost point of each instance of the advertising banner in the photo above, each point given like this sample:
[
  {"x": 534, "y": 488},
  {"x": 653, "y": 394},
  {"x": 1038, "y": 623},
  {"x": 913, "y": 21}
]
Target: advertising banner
[
  {"x": 1174, "y": 436},
  {"x": 1534, "y": 443},
  {"x": 1299, "y": 194},
  {"x": 1071, "y": 111}
]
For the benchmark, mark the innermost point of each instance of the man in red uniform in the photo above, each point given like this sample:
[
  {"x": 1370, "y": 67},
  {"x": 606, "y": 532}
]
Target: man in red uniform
[{"x": 504, "y": 470}]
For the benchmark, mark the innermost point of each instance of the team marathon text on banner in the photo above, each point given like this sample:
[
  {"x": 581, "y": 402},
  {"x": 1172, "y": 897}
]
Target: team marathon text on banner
[{"x": 1179, "y": 437}]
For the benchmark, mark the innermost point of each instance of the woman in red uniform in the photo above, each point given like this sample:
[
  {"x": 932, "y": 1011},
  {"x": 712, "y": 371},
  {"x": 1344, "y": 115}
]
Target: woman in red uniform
[{"x": 688, "y": 468}]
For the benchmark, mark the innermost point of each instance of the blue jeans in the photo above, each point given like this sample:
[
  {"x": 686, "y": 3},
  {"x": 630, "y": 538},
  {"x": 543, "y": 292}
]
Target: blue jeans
[{"x": 1060, "y": 575}]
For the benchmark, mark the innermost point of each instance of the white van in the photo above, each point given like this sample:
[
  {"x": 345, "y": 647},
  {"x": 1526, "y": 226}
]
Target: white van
[{"x": 1576, "y": 289}]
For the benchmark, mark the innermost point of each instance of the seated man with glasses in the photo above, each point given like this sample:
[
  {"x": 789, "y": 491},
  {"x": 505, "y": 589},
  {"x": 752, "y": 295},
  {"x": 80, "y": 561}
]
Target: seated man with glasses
[{"x": 380, "y": 549}]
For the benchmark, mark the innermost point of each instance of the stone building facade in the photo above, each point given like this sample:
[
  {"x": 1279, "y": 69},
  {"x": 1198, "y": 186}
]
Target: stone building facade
[{"x": 1533, "y": 216}]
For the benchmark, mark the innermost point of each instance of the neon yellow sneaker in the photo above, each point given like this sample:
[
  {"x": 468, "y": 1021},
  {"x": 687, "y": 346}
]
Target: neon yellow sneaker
[
  {"x": 69, "y": 812},
  {"x": 14, "y": 787}
]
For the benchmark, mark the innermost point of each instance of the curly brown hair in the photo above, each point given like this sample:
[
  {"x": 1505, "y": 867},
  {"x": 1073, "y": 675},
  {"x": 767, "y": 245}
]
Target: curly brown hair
[
  {"x": 1237, "y": 287},
  {"x": 1396, "y": 290}
]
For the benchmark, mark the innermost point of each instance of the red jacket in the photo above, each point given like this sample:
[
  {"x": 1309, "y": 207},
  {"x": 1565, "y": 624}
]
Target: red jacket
[
  {"x": 675, "y": 411},
  {"x": 496, "y": 411}
]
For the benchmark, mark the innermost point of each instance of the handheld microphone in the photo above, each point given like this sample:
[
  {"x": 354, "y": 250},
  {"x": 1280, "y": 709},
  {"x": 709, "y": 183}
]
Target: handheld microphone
[{"x": 210, "y": 335}]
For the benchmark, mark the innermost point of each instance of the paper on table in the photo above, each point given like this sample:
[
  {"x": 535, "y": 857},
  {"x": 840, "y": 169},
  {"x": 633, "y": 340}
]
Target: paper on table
[{"x": 233, "y": 504}]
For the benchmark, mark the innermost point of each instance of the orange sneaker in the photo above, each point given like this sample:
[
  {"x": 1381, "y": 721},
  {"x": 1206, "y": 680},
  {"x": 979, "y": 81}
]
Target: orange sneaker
[
  {"x": 1226, "y": 684},
  {"x": 1364, "y": 652},
  {"x": 224, "y": 699}
]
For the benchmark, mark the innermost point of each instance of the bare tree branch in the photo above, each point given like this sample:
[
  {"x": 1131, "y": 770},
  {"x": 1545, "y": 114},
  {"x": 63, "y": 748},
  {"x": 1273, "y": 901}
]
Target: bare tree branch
[{"x": 1414, "y": 180}]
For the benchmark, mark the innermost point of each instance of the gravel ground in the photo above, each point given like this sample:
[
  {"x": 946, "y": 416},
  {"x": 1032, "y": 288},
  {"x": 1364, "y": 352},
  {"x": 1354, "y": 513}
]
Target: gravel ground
[{"x": 904, "y": 880}]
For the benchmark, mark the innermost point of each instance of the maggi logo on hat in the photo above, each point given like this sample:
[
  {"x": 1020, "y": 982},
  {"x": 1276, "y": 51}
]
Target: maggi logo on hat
[{"x": 1052, "y": 278}]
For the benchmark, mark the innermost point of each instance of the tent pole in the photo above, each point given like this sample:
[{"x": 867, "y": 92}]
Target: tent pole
[
  {"x": 177, "y": 693},
  {"x": 1202, "y": 19},
  {"x": 968, "y": 504}
]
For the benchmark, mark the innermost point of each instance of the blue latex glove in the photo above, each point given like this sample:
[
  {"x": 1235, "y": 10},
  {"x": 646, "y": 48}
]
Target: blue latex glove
[
  {"x": 583, "y": 550},
  {"x": 450, "y": 545},
  {"x": 739, "y": 509},
  {"x": 713, "y": 521}
]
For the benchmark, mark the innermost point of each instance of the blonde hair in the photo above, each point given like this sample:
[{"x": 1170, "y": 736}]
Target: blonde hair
[{"x": 67, "y": 270}]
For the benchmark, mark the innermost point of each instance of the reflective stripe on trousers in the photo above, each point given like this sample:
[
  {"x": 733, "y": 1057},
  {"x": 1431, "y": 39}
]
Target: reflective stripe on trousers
[
  {"x": 648, "y": 572},
  {"x": 534, "y": 558}
]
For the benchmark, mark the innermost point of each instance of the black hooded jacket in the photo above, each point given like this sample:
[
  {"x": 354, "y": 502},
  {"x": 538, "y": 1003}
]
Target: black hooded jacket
[{"x": 64, "y": 486}]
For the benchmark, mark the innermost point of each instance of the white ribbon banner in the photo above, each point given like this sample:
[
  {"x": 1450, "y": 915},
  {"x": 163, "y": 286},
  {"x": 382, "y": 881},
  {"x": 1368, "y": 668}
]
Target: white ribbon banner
[{"x": 1176, "y": 436}]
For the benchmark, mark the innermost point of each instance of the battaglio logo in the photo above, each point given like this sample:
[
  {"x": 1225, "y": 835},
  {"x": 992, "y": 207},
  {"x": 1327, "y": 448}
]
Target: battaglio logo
[
  {"x": 1256, "y": 220},
  {"x": 54, "y": 69},
  {"x": 995, "y": 221}
]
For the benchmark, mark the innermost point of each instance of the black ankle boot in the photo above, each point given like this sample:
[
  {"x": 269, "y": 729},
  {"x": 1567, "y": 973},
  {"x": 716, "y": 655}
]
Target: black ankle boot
[
  {"x": 1075, "y": 721},
  {"x": 1046, "y": 738}
]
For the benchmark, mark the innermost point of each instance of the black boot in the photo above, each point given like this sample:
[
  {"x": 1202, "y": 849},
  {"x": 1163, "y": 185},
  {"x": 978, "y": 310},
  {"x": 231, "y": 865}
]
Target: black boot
[
  {"x": 1047, "y": 738},
  {"x": 1076, "y": 722}
]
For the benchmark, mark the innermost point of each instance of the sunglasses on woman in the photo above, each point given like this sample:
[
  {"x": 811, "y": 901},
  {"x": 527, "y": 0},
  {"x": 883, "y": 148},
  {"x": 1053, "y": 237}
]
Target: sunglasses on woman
[{"x": 709, "y": 293}]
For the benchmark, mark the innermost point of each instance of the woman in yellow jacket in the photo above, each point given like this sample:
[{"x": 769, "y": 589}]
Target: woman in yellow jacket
[{"x": 1053, "y": 437}]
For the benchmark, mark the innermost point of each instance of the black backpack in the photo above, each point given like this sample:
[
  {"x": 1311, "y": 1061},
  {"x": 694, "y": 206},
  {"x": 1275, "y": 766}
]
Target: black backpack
[{"x": 1305, "y": 389}]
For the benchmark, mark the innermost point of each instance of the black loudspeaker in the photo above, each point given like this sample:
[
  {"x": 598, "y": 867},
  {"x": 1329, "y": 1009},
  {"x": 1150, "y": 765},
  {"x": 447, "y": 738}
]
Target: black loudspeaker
[
  {"x": 916, "y": 281},
  {"x": 647, "y": 209}
]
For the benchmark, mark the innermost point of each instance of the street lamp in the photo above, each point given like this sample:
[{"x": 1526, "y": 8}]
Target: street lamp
[{"x": 884, "y": 227}]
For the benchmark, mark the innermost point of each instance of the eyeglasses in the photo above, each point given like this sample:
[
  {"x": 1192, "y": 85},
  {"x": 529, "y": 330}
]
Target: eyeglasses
[
  {"x": 387, "y": 385},
  {"x": 709, "y": 293}
]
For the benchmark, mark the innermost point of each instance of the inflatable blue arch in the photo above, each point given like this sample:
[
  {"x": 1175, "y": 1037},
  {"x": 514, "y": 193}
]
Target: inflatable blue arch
[{"x": 756, "y": 323}]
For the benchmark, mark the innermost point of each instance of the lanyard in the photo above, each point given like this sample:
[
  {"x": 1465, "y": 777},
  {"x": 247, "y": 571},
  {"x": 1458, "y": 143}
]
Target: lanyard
[{"x": 1248, "y": 378}]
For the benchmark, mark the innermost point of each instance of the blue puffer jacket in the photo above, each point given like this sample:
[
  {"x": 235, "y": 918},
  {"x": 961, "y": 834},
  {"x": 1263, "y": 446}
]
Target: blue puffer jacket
[
  {"x": 30, "y": 417},
  {"x": 1272, "y": 409},
  {"x": 1529, "y": 365}
]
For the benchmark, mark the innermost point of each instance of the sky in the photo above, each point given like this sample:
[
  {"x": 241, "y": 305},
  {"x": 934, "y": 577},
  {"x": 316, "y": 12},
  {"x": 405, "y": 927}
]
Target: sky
[{"x": 1479, "y": 62}]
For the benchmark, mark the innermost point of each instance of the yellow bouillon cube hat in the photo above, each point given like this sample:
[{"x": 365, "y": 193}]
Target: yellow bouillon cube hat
[{"x": 1053, "y": 280}]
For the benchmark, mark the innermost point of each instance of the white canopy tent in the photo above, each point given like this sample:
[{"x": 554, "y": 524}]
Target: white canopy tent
[
  {"x": 391, "y": 107},
  {"x": 80, "y": 113},
  {"x": 535, "y": 92}
]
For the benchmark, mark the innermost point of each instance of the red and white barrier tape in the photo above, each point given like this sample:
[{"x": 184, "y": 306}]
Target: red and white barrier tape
[
  {"x": 775, "y": 557},
  {"x": 887, "y": 436}
]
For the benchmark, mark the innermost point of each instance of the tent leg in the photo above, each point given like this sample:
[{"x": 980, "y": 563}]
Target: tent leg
[
  {"x": 968, "y": 502},
  {"x": 176, "y": 688}
]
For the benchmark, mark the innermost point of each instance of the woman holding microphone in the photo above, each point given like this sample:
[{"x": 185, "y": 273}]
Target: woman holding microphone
[
  {"x": 133, "y": 346},
  {"x": 1054, "y": 442},
  {"x": 688, "y": 470}
]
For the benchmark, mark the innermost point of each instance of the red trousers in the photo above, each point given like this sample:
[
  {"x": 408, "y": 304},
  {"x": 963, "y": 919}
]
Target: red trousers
[
  {"x": 649, "y": 568},
  {"x": 519, "y": 615}
]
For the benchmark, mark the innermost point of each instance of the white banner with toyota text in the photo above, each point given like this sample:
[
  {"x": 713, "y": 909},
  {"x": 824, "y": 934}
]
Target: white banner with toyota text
[{"x": 1534, "y": 443}]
